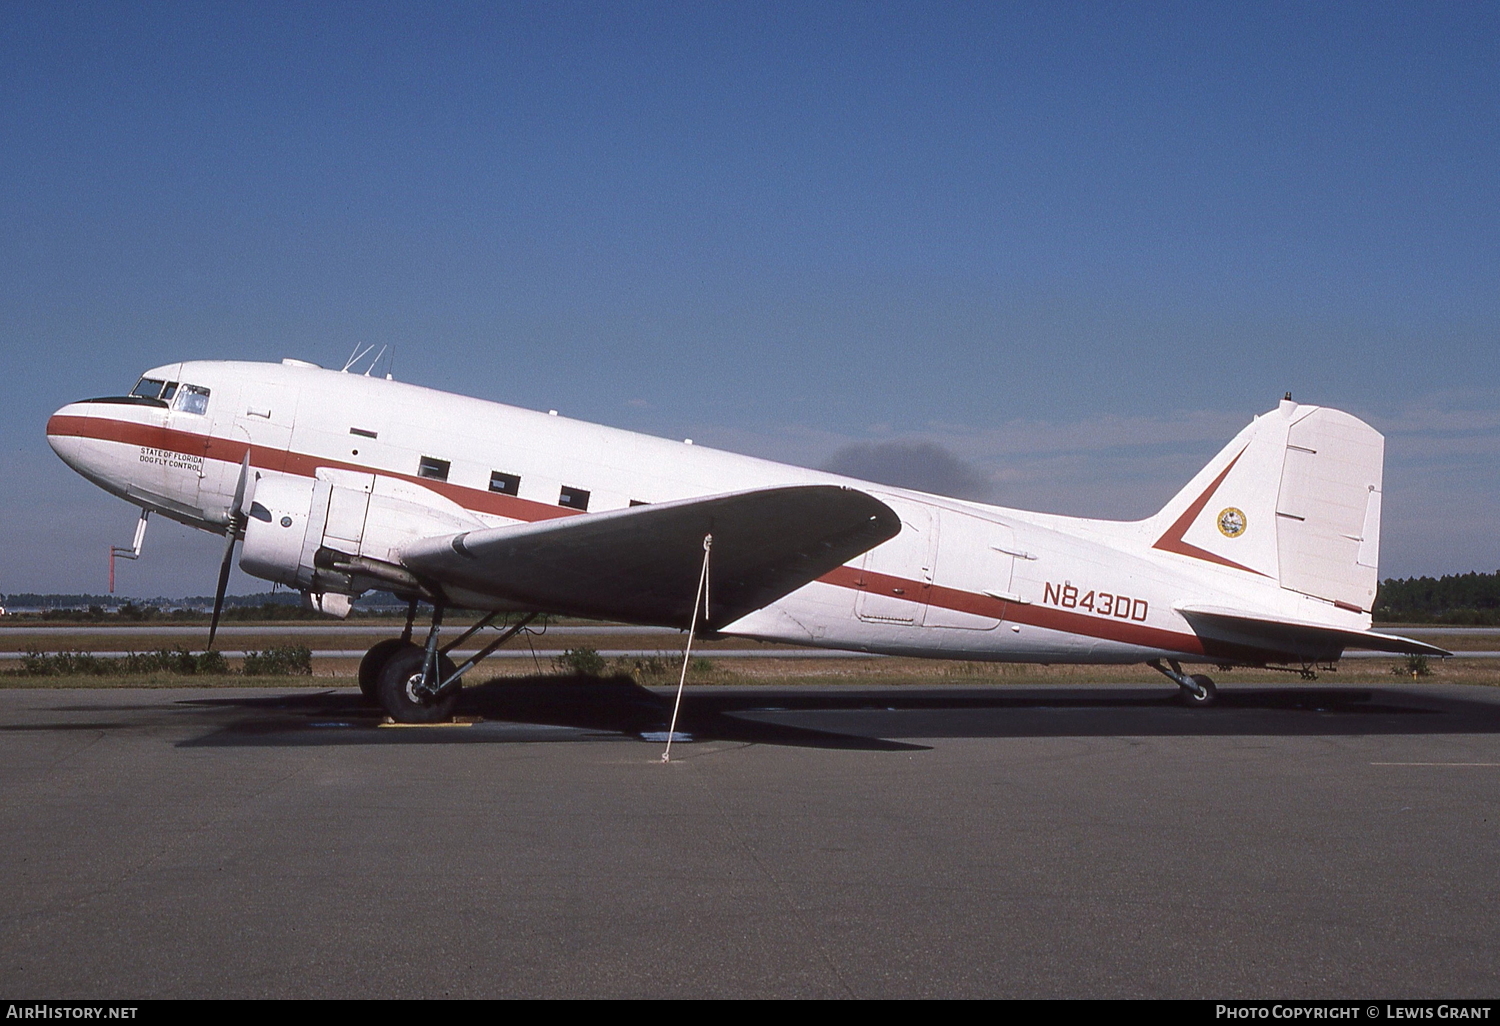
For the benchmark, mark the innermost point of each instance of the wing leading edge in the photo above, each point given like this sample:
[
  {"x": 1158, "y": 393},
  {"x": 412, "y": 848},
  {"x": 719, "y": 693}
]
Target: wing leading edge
[
  {"x": 1234, "y": 630},
  {"x": 641, "y": 565}
]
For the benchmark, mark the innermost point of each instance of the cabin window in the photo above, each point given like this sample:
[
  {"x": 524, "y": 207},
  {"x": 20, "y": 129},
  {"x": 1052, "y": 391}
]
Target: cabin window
[
  {"x": 168, "y": 392},
  {"x": 191, "y": 399},
  {"x": 505, "y": 484},
  {"x": 433, "y": 469},
  {"x": 573, "y": 498}
]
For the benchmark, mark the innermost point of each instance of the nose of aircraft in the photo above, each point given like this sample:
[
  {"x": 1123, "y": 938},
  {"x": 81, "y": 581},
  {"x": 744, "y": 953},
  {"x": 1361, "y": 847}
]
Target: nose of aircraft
[{"x": 69, "y": 435}]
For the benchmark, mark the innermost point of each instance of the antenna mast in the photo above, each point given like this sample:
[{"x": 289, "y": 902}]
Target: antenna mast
[{"x": 356, "y": 357}]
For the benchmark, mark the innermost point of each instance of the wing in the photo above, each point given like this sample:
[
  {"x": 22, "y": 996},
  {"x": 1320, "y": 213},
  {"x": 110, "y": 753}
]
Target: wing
[
  {"x": 641, "y": 565},
  {"x": 1293, "y": 639}
]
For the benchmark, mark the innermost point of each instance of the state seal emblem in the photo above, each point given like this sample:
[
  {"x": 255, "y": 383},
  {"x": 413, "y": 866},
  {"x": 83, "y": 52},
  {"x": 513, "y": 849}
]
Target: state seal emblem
[{"x": 1232, "y": 522}]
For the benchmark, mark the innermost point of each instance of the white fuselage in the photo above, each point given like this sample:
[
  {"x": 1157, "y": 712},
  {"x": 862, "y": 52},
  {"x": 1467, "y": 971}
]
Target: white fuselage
[{"x": 961, "y": 580}]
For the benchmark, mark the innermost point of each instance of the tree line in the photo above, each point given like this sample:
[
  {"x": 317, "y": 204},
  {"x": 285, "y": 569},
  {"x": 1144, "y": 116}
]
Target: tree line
[{"x": 1471, "y": 598}]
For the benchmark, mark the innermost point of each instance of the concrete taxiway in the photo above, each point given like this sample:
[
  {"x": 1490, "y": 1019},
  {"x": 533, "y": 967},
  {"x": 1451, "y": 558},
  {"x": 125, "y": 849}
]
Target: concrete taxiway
[{"x": 1295, "y": 840}]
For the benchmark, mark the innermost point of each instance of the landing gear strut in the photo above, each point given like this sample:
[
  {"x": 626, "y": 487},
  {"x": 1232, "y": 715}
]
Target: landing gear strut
[
  {"x": 421, "y": 684},
  {"x": 1197, "y": 689},
  {"x": 406, "y": 687}
]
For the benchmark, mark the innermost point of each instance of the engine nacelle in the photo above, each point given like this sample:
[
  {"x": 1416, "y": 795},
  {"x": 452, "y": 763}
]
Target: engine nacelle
[
  {"x": 277, "y": 532},
  {"x": 342, "y": 531}
]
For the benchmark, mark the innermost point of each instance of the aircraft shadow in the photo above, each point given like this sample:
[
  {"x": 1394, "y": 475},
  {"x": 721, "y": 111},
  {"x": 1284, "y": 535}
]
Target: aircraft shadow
[
  {"x": 549, "y": 708},
  {"x": 528, "y": 709}
]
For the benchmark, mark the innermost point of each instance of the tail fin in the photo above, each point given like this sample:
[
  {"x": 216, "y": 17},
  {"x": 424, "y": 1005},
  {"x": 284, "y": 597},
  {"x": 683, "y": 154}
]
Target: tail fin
[{"x": 1294, "y": 498}]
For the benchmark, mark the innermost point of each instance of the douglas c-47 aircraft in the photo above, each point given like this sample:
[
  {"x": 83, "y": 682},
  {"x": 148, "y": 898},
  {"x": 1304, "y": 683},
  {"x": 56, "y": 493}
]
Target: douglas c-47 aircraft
[{"x": 337, "y": 483}]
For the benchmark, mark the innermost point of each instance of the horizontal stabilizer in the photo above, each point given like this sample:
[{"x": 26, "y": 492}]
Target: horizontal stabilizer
[
  {"x": 1277, "y": 638},
  {"x": 642, "y": 564}
]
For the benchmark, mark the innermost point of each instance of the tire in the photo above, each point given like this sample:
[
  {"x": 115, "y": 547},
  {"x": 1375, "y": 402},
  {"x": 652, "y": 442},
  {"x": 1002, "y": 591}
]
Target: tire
[
  {"x": 370, "y": 666},
  {"x": 1209, "y": 697},
  {"x": 396, "y": 695}
]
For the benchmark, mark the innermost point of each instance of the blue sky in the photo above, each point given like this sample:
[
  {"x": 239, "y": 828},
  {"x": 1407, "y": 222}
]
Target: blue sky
[{"x": 1076, "y": 246}]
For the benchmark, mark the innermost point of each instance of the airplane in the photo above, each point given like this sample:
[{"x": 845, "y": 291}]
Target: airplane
[{"x": 335, "y": 483}]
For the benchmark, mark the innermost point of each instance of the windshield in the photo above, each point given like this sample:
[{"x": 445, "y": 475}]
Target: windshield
[{"x": 154, "y": 388}]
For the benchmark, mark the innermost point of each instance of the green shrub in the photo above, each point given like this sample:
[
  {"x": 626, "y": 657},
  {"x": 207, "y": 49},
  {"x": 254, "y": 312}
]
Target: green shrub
[
  {"x": 283, "y": 661},
  {"x": 212, "y": 663},
  {"x": 82, "y": 664},
  {"x": 584, "y": 662},
  {"x": 62, "y": 664},
  {"x": 1415, "y": 666}
]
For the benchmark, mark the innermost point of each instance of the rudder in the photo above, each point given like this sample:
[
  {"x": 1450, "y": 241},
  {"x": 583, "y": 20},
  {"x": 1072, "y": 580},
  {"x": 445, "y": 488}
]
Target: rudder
[{"x": 1328, "y": 509}]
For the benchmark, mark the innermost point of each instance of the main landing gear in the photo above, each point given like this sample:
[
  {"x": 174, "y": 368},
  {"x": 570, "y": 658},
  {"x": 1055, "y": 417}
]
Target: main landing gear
[
  {"x": 380, "y": 653},
  {"x": 420, "y": 684},
  {"x": 1197, "y": 690}
]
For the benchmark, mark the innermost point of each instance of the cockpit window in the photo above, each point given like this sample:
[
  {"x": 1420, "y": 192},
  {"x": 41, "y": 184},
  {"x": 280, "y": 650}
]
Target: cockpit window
[
  {"x": 155, "y": 388},
  {"x": 191, "y": 399}
]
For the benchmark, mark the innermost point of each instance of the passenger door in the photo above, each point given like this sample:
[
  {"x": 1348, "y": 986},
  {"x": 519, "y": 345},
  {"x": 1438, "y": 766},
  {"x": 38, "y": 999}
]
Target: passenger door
[{"x": 975, "y": 562}]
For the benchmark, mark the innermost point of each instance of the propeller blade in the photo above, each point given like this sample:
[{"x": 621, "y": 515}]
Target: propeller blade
[
  {"x": 239, "y": 488},
  {"x": 224, "y": 567},
  {"x": 236, "y": 523}
]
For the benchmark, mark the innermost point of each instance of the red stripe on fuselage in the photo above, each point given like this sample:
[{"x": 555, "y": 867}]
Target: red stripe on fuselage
[
  {"x": 232, "y": 450},
  {"x": 1103, "y": 628}
]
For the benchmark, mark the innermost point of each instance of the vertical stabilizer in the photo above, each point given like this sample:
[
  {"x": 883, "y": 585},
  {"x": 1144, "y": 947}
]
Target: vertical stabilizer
[
  {"x": 1295, "y": 498},
  {"x": 1226, "y": 516}
]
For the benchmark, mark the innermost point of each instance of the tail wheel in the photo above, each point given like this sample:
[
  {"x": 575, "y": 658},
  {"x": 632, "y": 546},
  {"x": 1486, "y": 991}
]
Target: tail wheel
[
  {"x": 400, "y": 694},
  {"x": 370, "y": 666},
  {"x": 1209, "y": 695}
]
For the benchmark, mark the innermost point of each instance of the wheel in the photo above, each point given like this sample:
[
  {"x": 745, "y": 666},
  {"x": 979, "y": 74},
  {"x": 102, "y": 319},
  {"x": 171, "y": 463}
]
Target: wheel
[
  {"x": 1209, "y": 696},
  {"x": 397, "y": 677},
  {"x": 369, "y": 667}
]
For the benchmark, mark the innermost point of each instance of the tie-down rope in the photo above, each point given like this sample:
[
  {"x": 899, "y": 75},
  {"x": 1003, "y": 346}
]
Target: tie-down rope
[{"x": 700, "y": 601}]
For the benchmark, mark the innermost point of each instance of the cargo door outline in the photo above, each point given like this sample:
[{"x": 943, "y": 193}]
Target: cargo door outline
[{"x": 908, "y": 558}]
